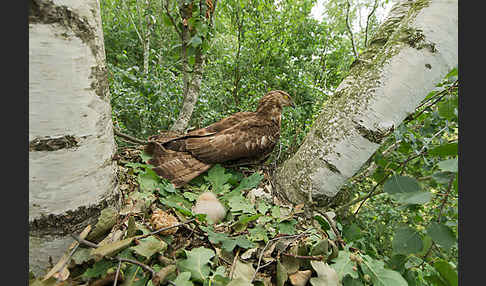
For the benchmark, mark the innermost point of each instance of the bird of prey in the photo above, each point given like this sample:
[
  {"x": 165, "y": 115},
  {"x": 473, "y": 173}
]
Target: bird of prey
[{"x": 242, "y": 138}]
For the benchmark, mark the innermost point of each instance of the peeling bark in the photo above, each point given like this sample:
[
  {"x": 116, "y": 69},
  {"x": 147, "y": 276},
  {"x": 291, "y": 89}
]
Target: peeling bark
[{"x": 411, "y": 52}]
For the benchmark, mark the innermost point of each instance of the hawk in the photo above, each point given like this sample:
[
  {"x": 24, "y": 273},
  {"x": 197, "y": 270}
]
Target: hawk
[{"x": 242, "y": 138}]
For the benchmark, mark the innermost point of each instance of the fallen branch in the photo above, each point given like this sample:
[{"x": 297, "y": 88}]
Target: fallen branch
[
  {"x": 317, "y": 257},
  {"x": 166, "y": 228},
  {"x": 128, "y": 137}
]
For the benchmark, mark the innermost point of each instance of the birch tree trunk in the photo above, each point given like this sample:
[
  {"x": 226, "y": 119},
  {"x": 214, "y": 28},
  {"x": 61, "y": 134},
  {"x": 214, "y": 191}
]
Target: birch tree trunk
[
  {"x": 71, "y": 144},
  {"x": 411, "y": 52}
]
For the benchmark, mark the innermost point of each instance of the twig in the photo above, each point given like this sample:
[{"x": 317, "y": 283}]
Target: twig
[
  {"x": 233, "y": 266},
  {"x": 349, "y": 30},
  {"x": 128, "y": 137},
  {"x": 336, "y": 232},
  {"x": 66, "y": 262},
  {"x": 144, "y": 266},
  {"x": 266, "y": 245},
  {"x": 117, "y": 272},
  {"x": 166, "y": 228},
  {"x": 317, "y": 257},
  {"x": 84, "y": 241},
  {"x": 444, "y": 201},
  {"x": 166, "y": 6},
  {"x": 368, "y": 21},
  {"x": 403, "y": 164}
]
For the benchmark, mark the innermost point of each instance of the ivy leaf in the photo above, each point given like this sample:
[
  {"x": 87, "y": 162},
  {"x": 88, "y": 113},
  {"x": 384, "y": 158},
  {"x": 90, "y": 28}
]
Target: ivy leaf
[
  {"x": 344, "y": 265},
  {"x": 168, "y": 201},
  {"x": 406, "y": 241},
  {"x": 183, "y": 279},
  {"x": 258, "y": 233},
  {"x": 197, "y": 263},
  {"x": 287, "y": 227},
  {"x": 250, "y": 182},
  {"x": 325, "y": 274},
  {"x": 239, "y": 203},
  {"x": 149, "y": 246},
  {"x": 442, "y": 235},
  {"x": 447, "y": 272},
  {"x": 381, "y": 276},
  {"x": 448, "y": 165},
  {"x": 98, "y": 269},
  {"x": 148, "y": 180},
  {"x": 217, "y": 178}
]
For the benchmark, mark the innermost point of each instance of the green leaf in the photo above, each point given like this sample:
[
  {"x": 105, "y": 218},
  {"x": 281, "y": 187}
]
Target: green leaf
[
  {"x": 197, "y": 263},
  {"x": 190, "y": 196},
  {"x": 183, "y": 279},
  {"x": 349, "y": 281},
  {"x": 282, "y": 276},
  {"x": 217, "y": 177},
  {"x": 239, "y": 203},
  {"x": 148, "y": 180},
  {"x": 401, "y": 184},
  {"x": 448, "y": 165},
  {"x": 352, "y": 232},
  {"x": 195, "y": 41},
  {"x": 243, "y": 271},
  {"x": 442, "y": 235},
  {"x": 287, "y": 227},
  {"x": 406, "y": 190},
  {"x": 453, "y": 72},
  {"x": 175, "y": 205},
  {"x": 258, "y": 233},
  {"x": 323, "y": 222},
  {"x": 81, "y": 255},
  {"x": 447, "y": 272},
  {"x": 106, "y": 221},
  {"x": 379, "y": 275},
  {"x": 239, "y": 282},
  {"x": 448, "y": 149},
  {"x": 416, "y": 198},
  {"x": 111, "y": 249},
  {"x": 406, "y": 241},
  {"x": 250, "y": 182},
  {"x": 149, "y": 246},
  {"x": 343, "y": 265},
  {"x": 263, "y": 207},
  {"x": 98, "y": 269},
  {"x": 325, "y": 274}
]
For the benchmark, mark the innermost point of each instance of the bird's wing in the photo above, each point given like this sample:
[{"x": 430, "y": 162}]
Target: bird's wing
[
  {"x": 249, "y": 138},
  {"x": 221, "y": 125}
]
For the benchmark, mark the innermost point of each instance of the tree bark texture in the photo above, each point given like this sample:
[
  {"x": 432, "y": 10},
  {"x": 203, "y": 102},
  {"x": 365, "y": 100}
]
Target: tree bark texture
[
  {"x": 411, "y": 52},
  {"x": 71, "y": 172},
  {"x": 191, "y": 93}
]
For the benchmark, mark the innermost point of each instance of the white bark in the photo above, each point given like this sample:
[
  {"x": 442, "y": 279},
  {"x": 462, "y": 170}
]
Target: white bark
[
  {"x": 68, "y": 98},
  {"x": 413, "y": 51}
]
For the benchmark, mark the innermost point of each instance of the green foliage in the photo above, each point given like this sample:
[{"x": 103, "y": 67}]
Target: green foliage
[
  {"x": 258, "y": 46},
  {"x": 197, "y": 263}
]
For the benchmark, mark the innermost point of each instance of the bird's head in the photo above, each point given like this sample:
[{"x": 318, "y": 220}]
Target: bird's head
[{"x": 278, "y": 97}]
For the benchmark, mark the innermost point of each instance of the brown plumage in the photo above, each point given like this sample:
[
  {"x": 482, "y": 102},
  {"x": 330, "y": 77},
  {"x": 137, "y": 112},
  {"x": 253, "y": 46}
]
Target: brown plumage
[{"x": 243, "y": 137}]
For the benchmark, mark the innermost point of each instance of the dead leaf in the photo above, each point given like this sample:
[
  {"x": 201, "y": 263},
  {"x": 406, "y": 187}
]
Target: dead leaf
[{"x": 300, "y": 278}]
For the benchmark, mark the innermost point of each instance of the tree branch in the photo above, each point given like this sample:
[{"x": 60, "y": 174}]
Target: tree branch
[
  {"x": 367, "y": 22},
  {"x": 350, "y": 30},
  {"x": 166, "y": 6},
  {"x": 128, "y": 137}
]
